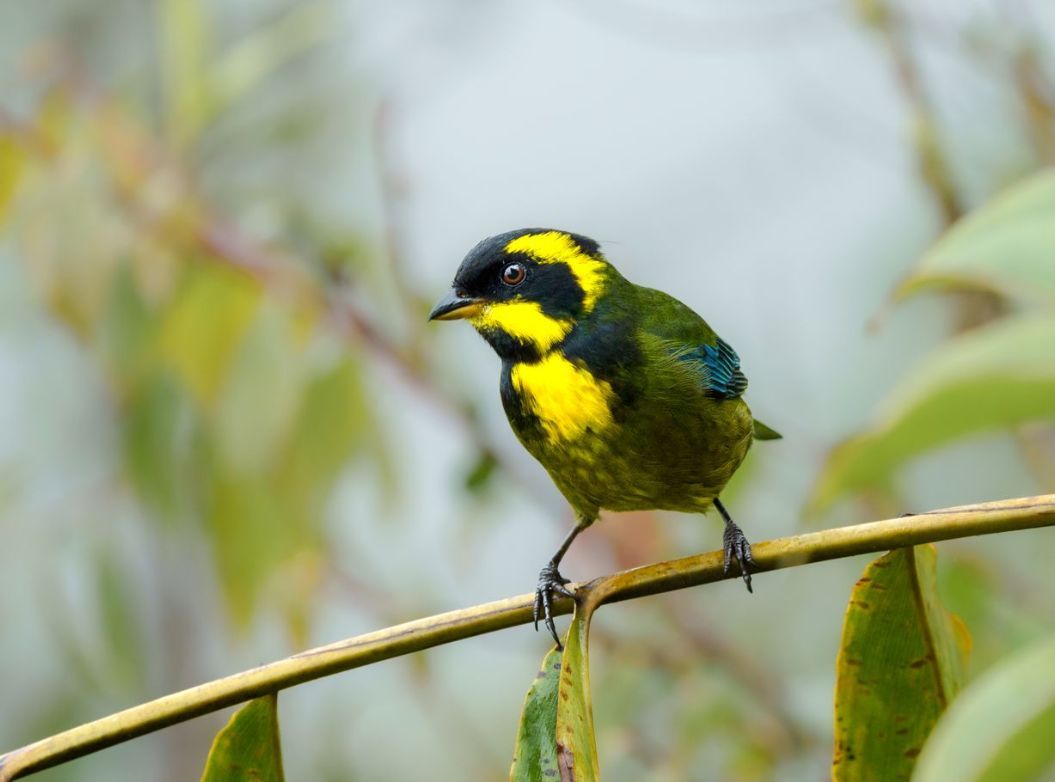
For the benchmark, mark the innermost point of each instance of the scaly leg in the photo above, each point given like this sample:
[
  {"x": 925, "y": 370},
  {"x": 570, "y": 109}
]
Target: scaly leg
[
  {"x": 735, "y": 545},
  {"x": 551, "y": 582}
]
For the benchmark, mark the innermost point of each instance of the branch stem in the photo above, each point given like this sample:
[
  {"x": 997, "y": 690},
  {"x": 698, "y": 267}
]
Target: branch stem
[{"x": 414, "y": 636}]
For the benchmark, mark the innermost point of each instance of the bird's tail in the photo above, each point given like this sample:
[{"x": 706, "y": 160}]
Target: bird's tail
[{"x": 763, "y": 432}]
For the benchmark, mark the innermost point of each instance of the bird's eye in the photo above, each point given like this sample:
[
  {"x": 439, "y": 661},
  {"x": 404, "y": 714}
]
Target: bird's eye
[{"x": 514, "y": 274}]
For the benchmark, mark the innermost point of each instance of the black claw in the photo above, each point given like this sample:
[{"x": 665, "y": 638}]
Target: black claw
[
  {"x": 736, "y": 546},
  {"x": 550, "y": 581}
]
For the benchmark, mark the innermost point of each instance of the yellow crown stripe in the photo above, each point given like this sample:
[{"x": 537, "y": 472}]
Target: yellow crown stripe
[
  {"x": 565, "y": 397},
  {"x": 558, "y": 247},
  {"x": 525, "y": 321}
]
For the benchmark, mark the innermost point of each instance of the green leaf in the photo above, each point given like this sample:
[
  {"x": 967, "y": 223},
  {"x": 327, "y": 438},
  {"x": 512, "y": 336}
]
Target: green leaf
[
  {"x": 576, "y": 745},
  {"x": 901, "y": 662},
  {"x": 252, "y": 59},
  {"x": 479, "y": 476},
  {"x": 255, "y": 529},
  {"x": 119, "y": 622},
  {"x": 186, "y": 49},
  {"x": 247, "y": 749},
  {"x": 128, "y": 330},
  {"x": 260, "y": 396},
  {"x": 535, "y": 753},
  {"x": 556, "y": 736},
  {"x": 1005, "y": 245},
  {"x": 204, "y": 327},
  {"x": 267, "y": 522},
  {"x": 158, "y": 444},
  {"x": 997, "y": 376},
  {"x": 333, "y": 419},
  {"x": 1000, "y": 728},
  {"x": 11, "y": 157}
]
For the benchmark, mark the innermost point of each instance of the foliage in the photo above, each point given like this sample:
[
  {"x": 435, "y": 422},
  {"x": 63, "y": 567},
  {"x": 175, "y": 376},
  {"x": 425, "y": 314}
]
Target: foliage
[
  {"x": 901, "y": 663},
  {"x": 239, "y": 411},
  {"x": 1003, "y": 247},
  {"x": 535, "y": 752},
  {"x": 1001, "y": 727},
  {"x": 247, "y": 749},
  {"x": 998, "y": 376}
]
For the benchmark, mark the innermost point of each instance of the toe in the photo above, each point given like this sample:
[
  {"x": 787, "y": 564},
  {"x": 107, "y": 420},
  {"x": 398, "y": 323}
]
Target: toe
[
  {"x": 547, "y": 608},
  {"x": 560, "y": 589}
]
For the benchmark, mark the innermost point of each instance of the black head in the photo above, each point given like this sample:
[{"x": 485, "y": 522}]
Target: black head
[{"x": 526, "y": 288}]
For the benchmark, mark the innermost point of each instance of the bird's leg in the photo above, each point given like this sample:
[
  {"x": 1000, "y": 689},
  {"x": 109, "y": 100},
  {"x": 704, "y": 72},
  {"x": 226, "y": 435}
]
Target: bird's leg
[
  {"x": 551, "y": 582},
  {"x": 735, "y": 544}
]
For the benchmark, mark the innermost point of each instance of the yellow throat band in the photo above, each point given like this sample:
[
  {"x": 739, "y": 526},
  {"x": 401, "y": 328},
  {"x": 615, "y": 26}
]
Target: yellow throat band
[{"x": 524, "y": 321}]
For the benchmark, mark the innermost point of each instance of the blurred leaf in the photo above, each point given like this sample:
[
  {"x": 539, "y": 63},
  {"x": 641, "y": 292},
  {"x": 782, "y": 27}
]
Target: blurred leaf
[
  {"x": 479, "y": 476},
  {"x": 254, "y": 529},
  {"x": 205, "y": 325},
  {"x": 260, "y": 394},
  {"x": 1005, "y": 245},
  {"x": 119, "y": 622},
  {"x": 128, "y": 331},
  {"x": 269, "y": 47},
  {"x": 186, "y": 48},
  {"x": 271, "y": 517},
  {"x": 1001, "y": 727},
  {"x": 901, "y": 662},
  {"x": 997, "y": 376},
  {"x": 66, "y": 230},
  {"x": 158, "y": 449},
  {"x": 576, "y": 745},
  {"x": 248, "y": 748},
  {"x": 1004, "y": 612},
  {"x": 535, "y": 752},
  {"x": 55, "y": 118},
  {"x": 11, "y": 158},
  {"x": 332, "y": 420}
]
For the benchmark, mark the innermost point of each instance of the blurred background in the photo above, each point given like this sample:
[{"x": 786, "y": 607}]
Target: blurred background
[{"x": 228, "y": 433}]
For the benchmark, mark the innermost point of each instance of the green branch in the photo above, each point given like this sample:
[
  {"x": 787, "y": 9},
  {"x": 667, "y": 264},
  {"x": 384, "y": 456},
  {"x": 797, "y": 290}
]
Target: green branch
[{"x": 965, "y": 521}]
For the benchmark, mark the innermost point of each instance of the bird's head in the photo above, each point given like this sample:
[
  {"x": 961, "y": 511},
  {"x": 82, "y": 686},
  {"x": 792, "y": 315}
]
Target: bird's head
[{"x": 525, "y": 290}]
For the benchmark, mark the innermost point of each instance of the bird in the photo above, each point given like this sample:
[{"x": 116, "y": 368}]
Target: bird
[{"x": 625, "y": 395}]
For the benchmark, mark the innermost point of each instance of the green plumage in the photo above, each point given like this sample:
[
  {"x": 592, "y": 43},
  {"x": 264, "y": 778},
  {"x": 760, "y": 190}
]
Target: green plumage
[{"x": 674, "y": 444}]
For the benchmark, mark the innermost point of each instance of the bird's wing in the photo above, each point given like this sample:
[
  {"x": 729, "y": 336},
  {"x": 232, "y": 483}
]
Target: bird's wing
[
  {"x": 679, "y": 334},
  {"x": 719, "y": 368}
]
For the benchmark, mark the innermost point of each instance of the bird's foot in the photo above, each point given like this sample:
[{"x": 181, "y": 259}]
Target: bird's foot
[
  {"x": 736, "y": 546},
  {"x": 550, "y": 583}
]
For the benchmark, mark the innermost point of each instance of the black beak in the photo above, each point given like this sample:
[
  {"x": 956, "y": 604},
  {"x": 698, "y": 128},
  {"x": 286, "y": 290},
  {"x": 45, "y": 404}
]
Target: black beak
[{"x": 455, "y": 306}]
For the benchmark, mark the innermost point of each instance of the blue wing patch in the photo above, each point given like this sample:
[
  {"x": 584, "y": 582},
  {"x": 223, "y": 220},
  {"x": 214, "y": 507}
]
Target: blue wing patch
[{"x": 721, "y": 365}]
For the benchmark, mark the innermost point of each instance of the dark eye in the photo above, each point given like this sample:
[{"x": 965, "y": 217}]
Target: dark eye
[{"x": 514, "y": 274}]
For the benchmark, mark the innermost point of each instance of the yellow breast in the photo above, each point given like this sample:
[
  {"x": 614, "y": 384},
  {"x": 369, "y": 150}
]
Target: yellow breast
[{"x": 564, "y": 396}]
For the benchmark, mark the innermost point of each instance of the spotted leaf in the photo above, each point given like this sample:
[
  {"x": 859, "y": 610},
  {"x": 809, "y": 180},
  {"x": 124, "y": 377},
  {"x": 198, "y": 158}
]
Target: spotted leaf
[
  {"x": 901, "y": 662},
  {"x": 535, "y": 754},
  {"x": 556, "y": 739}
]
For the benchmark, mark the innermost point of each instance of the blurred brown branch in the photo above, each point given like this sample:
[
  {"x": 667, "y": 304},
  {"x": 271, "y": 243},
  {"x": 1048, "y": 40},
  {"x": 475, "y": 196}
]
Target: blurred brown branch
[{"x": 414, "y": 636}]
